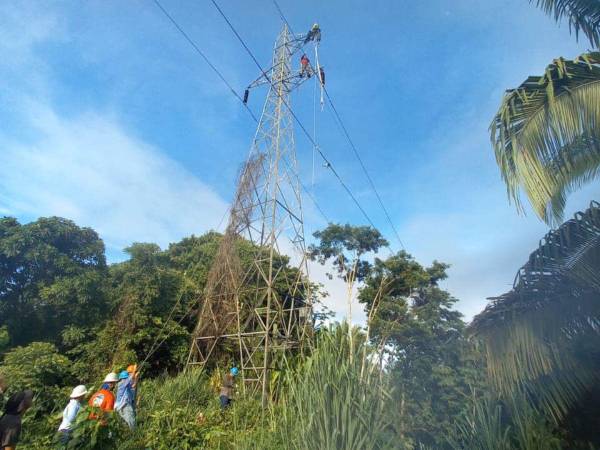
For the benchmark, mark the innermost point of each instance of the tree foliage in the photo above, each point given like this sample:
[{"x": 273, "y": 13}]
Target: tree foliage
[
  {"x": 403, "y": 383},
  {"x": 433, "y": 368},
  {"x": 51, "y": 275},
  {"x": 582, "y": 16},
  {"x": 546, "y": 134},
  {"x": 344, "y": 245},
  {"x": 542, "y": 337}
]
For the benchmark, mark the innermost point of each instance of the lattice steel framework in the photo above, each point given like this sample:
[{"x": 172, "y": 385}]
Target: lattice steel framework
[{"x": 266, "y": 308}]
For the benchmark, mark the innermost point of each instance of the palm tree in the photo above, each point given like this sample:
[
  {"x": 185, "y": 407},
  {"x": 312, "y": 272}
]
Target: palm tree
[
  {"x": 546, "y": 134},
  {"x": 582, "y": 15},
  {"x": 542, "y": 335}
]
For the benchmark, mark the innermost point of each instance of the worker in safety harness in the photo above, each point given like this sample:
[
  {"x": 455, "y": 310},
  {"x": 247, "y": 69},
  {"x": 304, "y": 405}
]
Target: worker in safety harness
[
  {"x": 322, "y": 75},
  {"x": 314, "y": 34},
  {"x": 304, "y": 66}
]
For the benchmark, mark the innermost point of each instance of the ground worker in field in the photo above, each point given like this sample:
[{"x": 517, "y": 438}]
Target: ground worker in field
[
  {"x": 304, "y": 66},
  {"x": 104, "y": 399},
  {"x": 126, "y": 390},
  {"x": 70, "y": 414},
  {"x": 227, "y": 387},
  {"x": 10, "y": 422}
]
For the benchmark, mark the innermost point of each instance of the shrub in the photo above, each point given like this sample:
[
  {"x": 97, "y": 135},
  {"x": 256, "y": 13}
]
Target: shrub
[{"x": 41, "y": 368}]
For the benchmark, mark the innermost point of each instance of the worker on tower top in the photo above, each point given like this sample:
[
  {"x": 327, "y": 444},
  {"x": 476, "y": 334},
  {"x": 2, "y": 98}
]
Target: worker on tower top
[
  {"x": 322, "y": 75},
  {"x": 314, "y": 34},
  {"x": 304, "y": 66}
]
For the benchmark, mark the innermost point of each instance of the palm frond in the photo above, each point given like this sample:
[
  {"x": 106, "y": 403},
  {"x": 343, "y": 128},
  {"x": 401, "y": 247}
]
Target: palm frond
[
  {"x": 531, "y": 332},
  {"x": 546, "y": 135},
  {"x": 582, "y": 15}
]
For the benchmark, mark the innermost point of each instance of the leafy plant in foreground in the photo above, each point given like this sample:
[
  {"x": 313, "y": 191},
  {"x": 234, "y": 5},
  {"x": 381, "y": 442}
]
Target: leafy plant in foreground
[{"x": 328, "y": 405}]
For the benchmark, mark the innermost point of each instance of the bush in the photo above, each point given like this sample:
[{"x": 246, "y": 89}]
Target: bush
[
  {"x": 41, "y": 368},
  {"x": 184, "y": 412},
  {"x": 97, "y": 434}
]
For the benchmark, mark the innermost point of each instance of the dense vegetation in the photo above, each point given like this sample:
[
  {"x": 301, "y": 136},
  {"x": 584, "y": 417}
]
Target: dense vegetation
[{"x": 412, "y": 380}]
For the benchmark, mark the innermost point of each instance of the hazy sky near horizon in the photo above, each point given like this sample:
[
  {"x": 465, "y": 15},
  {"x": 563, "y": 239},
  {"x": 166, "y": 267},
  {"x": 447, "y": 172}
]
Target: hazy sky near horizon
[{"x": 109, "y": 118}]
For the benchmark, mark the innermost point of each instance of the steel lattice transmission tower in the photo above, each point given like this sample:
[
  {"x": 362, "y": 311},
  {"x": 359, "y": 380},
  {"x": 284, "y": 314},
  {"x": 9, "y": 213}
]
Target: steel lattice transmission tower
[{"x": 265, "y": 309}]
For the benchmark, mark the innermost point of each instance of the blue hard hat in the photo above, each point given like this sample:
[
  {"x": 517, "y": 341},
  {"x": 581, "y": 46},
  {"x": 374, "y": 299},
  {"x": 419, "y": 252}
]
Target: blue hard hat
[
  {"x": 123, "y": 375},
  {"x": 234, "y": 371}
]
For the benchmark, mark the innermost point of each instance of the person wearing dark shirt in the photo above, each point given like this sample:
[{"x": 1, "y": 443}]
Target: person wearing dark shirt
[
  {"x": 314, "y": 34},
  {"x": 322, "y": 75},
  {"x": 10, "y": 423},
  {"x": 227, "y": 388}
]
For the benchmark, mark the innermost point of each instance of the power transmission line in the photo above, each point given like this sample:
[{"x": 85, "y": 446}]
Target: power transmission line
[
  {"x": 282, "y": 15},
  {"x": 300, "y": 124},
  {"x": 364, "y": 169},
  {"x": 233, "y": 91},
  {"x": 354, "y": 149},
  {"x": 201, "y": 53}
]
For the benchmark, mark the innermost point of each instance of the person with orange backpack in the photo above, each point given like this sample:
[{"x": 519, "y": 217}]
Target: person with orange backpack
[{"x": 104, "y": 399}]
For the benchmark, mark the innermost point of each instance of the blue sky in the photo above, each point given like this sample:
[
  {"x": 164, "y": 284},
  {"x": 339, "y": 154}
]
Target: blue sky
[{"x": 108, "y": 117}]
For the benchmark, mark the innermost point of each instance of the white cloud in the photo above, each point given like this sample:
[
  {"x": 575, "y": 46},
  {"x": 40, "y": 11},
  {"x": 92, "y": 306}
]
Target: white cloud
[
  {"x": 89, "y": 169},
  {"x": 337, "y": 299}
]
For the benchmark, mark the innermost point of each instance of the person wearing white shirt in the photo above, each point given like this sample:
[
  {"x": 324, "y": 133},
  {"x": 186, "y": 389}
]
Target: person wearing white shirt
[{"x": 70, "y": 413}]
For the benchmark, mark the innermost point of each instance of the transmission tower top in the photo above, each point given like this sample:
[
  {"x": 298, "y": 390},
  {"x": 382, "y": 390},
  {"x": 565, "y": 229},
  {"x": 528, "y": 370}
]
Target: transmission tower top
[{"x": 293, "y": 45}]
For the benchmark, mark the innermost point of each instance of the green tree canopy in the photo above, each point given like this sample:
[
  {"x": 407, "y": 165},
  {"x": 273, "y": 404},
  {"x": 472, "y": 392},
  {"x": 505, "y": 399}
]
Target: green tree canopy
[
  {"x": 51, "y": 275},
  {"x": 421, "y": 338},
  {"x": 345, "y": 245}
]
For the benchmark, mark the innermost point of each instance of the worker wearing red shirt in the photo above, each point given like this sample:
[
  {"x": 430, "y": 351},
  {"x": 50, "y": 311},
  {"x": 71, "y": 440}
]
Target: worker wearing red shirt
[
  {"x": 104, "y": 399},
  {"x": 304, "y": 66}
]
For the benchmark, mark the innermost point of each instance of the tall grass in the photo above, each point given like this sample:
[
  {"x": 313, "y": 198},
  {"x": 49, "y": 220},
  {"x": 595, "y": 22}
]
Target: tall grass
[
  {"x": 327, "y": 405},
  {"x": 496, "y": 425},
  {"x": 183, "y": 412}
]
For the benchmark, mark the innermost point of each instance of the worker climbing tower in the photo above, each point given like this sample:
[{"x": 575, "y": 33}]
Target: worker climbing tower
[{"x": 264, "y": 310}]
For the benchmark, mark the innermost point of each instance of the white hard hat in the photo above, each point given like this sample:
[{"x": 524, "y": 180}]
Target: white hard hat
[
  {"x": 111, "y": 378},
  {"x": 79, "y": 391}
]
